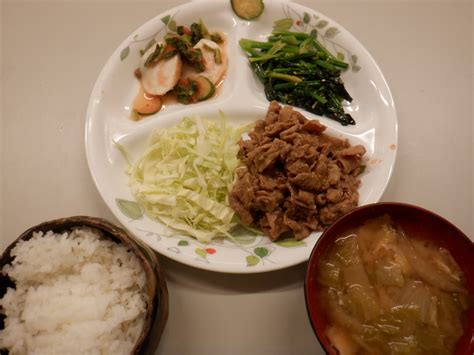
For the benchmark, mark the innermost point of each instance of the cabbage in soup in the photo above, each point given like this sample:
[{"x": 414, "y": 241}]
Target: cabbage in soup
[{"x": 387, "y": 293}]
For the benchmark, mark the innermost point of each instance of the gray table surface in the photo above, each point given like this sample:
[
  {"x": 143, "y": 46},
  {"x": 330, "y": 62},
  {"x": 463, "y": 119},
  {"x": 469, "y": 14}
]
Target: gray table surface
[{"x": 52, "y": 53}]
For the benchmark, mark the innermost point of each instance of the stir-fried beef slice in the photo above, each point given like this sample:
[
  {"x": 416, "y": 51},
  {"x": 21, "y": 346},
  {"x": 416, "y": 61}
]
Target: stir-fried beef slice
[
  {"x": 288, "y": 121},
  {"x": 307, "y": 139},
  {"x": 266, "y": 155},
  {"x": 349, "y": 163},
  {"x": 249, "y": 182},
  {"x": 279, "y": 195},
  {"x": 285, "y": 115},
  {"x": 330, "y": 213},
  {"x": 348, "y": 183},
  {"x": 350, "y": 158},
  {"x": 259, "y": 127},
  {"x": 325, "y": 150},
  {"x": 312, "y": 222},
  {"x": 266, "y": 201},
  {"x": 333, "y": 143},
  {"x": 304, "y": 153},
  {"x": 306, "y": 181},
  {"x": 300, "y": 230},
  {"x": 270, "y": 183},
  {"x": 321, "y": 172},
  {"x": 241, "y": 209},
  {"x": 313, "y": 126},
  {"x": 300, "y": 201},
  {"x": 305, "y": 199},
  {"x": 289, "y": 137},
  {"x": 334, "y": 174},
  {"x": 259, "y": 138},
  {"x": 242, "y": 196},
  {"x": 311, "y": 155},
  {"x": 290, "y": 134},
  {"x": 357, "y": 150},
  {"x": 297, "y": 179},
  {"x": 348, "y": 201},
  {"x": 246, "y": 146},
  {"x": 297, "y": 167},
  {"x": 297, "y": 153},
  {"x": 299, "y": 116},
  {"x": 273, "y": 225},
  {"x": 273, "y": 112},
  {"x": 264, "y": 224},
  {"x": 301, "y": 158},
  {"x": 334, "y": 195},
  {"x": 276, "y": 128}
]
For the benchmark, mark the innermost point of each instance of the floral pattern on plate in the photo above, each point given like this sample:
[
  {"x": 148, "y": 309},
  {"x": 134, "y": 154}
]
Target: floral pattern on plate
[
  {"x": 242, "y": 99},
  {"x": 254, "y": 254}
]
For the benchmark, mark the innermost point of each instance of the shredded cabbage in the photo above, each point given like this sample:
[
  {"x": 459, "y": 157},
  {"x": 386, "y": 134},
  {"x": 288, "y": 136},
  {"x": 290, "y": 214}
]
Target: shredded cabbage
[{"x": 185, "y": 175}]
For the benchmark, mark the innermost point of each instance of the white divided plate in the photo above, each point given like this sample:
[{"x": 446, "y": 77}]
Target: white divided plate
[{"x": 242, "y": 99}]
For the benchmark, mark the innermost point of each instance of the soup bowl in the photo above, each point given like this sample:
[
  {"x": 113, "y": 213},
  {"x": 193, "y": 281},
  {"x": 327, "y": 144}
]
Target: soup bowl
[{"x": 414, "y": 221}]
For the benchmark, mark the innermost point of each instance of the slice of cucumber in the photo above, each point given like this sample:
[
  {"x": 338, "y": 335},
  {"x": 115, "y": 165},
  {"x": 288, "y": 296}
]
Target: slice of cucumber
[
  {"x": 205, "y": 88},
  {"x": 247, "y": 9}
]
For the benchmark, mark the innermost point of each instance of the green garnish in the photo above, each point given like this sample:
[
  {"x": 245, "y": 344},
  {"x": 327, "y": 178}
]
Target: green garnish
[{"x": 296, "y": 69}]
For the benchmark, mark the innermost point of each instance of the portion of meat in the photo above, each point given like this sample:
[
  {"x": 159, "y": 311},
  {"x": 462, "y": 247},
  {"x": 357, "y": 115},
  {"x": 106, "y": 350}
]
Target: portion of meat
[
  {"x": 265, "y": 156},
  {"x": 243, "y": 195},
  {"x": 295, "y": 177}
]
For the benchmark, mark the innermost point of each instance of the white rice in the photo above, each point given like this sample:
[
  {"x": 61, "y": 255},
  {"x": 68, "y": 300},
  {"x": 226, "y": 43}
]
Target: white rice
[{"x": 75, "y": 294}]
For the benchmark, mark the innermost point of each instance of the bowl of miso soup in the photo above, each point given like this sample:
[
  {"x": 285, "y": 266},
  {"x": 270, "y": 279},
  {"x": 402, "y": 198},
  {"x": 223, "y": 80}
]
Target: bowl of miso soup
[{"x": 392, "y": 278}]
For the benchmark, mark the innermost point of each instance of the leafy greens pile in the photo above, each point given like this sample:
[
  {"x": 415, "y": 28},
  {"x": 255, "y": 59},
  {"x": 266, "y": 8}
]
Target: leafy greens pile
[
  {"x": 296, "y": 69},
  {"x": 184, "y": 177}
]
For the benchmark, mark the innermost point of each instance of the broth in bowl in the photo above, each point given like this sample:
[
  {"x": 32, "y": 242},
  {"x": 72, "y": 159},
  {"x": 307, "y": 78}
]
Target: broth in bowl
[
  {"x": 389, "y": 293},
  {"x": 391, "y": 278}
]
